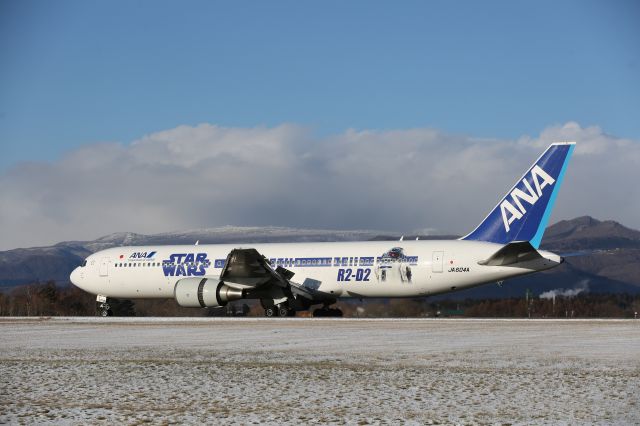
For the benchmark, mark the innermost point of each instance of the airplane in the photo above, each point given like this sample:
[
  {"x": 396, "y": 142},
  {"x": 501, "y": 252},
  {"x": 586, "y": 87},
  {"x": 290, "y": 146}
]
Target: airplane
[{"x": 292, "y": 277}]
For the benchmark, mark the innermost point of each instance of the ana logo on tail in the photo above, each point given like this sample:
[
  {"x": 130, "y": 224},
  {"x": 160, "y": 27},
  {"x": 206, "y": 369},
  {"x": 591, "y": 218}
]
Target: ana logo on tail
[
  {"x": 511, "y": 212},
  {"x": 522, "y": 214}
]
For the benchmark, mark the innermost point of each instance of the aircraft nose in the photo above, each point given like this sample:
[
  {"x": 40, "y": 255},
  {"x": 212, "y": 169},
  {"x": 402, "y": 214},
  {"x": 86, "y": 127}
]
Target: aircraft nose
[{"x": 76, "y": 277}]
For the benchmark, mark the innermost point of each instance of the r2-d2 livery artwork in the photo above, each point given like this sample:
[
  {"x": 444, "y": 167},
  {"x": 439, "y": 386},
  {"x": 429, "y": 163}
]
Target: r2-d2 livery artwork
[{"x": 394, "y": 264}]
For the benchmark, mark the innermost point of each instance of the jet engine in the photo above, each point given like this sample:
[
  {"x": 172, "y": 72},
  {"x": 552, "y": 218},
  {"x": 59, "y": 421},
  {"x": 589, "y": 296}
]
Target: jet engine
[{"x": 205, "y": 292}]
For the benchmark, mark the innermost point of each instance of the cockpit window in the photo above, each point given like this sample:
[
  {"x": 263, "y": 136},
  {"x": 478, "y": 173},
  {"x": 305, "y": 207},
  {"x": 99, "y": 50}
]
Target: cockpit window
[{"x": 84, "y": 263}]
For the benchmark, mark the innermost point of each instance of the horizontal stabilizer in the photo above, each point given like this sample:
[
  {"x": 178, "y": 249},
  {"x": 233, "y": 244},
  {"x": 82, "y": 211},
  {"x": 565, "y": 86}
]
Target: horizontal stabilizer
[{"x": 516, "y": 252}]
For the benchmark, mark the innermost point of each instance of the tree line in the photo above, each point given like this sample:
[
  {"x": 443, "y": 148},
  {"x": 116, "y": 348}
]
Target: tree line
[{"x": 49, "y": 299}]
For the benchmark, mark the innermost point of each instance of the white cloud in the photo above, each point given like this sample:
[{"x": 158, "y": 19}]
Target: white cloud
[
  {"x": 397, "y": 180},
  {"x": 602, "y": 178}
]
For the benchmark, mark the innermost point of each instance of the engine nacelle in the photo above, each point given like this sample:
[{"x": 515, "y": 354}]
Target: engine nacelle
[{"x": 204, "y": 292}]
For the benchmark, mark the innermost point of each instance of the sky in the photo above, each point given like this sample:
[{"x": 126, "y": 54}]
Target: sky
[{"x": 152, "y": 116}]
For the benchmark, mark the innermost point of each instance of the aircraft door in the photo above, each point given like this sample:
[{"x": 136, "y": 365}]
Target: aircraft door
[
  {"x": 104, "y": 267},
  {"x": 437, "y": 261}
]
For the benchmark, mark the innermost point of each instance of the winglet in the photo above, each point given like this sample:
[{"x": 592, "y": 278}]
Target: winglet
[{"x": 523, "y": 213}]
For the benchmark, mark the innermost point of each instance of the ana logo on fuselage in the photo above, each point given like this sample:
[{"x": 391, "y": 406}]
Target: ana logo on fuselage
[
  {"x": 514, "y": 210},
  {"x": 185, "y": 264},
  {"x": 142, "y": 255}
]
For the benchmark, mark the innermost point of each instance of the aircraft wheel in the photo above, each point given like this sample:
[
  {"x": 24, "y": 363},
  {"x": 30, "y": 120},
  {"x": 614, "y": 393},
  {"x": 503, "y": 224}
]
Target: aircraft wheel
[
  {"x": 270, "y": 311},
  {"x": 283, "y": 311},
  {"x": 104, "y": 310}
]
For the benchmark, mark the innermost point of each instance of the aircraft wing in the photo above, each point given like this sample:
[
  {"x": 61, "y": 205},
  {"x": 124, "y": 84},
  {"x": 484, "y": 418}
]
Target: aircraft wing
[{"x": 247, "y": 268}]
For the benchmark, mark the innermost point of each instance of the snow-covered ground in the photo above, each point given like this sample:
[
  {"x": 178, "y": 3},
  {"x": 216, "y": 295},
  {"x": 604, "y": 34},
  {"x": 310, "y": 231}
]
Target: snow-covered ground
[{"x": 93, "y": 370}]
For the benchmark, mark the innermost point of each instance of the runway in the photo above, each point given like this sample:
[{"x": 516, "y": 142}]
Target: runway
[{"x": 292, "y": 371}]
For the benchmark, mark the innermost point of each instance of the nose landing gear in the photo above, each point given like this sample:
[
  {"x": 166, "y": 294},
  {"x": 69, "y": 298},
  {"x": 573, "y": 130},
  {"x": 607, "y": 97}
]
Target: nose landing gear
[{"x": 103, "y": 308}]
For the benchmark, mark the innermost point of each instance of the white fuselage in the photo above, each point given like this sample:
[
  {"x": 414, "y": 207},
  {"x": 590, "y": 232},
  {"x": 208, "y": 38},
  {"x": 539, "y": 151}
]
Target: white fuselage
[{"x": 344, "y": 269}]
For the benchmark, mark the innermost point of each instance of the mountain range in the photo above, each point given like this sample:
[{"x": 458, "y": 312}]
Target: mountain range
[
  {"x": 27, "y": 265},
  {"x": 601, "y": 256}
]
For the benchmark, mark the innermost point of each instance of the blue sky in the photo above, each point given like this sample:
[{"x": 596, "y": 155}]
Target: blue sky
[
  {"x": 153, "y": 116},
  {"x": 81, "y": 72}
]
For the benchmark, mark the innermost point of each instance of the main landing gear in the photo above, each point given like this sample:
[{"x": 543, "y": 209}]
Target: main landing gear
[
  {"x": 284, "y": 309},
  {"x": 281, "y": 310}
]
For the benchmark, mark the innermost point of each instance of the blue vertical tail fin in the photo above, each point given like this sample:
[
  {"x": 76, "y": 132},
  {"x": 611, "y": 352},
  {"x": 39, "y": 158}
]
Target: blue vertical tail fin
[{"x": 523, "y": 213}]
